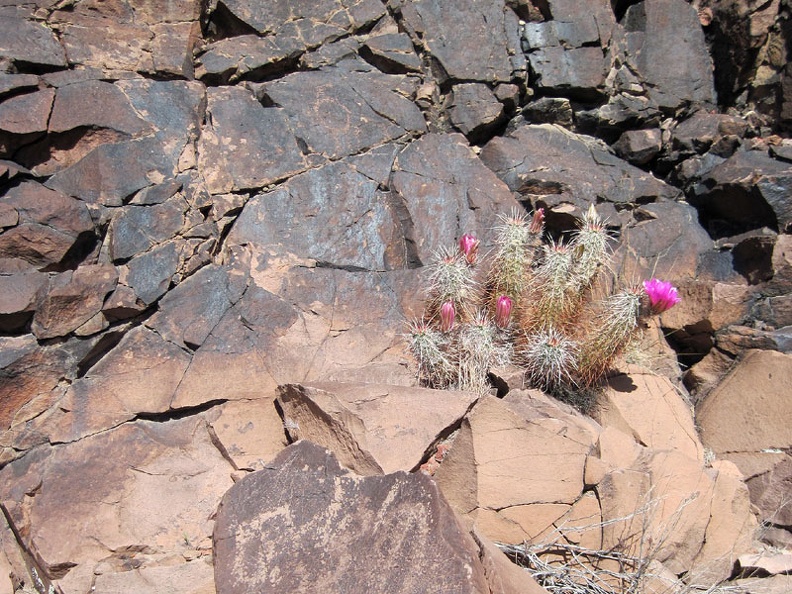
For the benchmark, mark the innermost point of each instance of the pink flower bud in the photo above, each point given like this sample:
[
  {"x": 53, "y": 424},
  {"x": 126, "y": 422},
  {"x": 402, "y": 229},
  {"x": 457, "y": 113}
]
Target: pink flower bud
[
  {"x": 662, "y": 295},
  {"x": 537, "y": 222},
  {"x": 468, "y": 245},
  {"x": 503, "y": 311},
  {"x": 447, "y": 315}
]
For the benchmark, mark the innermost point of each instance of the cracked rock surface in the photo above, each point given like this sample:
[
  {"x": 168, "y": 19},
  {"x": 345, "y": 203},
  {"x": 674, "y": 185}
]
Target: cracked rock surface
[{"x": 217, "y": 217}]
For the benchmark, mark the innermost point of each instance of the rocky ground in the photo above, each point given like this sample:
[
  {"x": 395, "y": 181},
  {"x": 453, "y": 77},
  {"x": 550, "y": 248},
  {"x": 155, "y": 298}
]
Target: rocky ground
[{"x": 215, "y": 222}]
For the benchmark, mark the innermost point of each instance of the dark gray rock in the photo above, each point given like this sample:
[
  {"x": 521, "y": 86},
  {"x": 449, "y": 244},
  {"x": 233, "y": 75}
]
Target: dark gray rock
[
  {"x": 657, "y": 34},
  {"x": 445, "y": 191},
  {"x": 247, "y": 57},
  {"x": 639, "y": 146},
  {"x": 555, "y": 166},
  {"x": 77, "y": 105},
  {"x": 149, "y": 276},
  {"x": 699, "y": 132},
  {"x": 13, "y": 83},
  {"x": 468, "y": 41},
  {"x": 474, "y": 110},
  {"x": 73, "y": 297},
  {"x": 49, "y": 226},
  {"x": 333, "y": 215},
  {"x": 137, "y": 228},
  {"x": 747, "y": 191},
  {"x": 189, "y": 312},
  {"x": 577, "y": 72},
  {"x": 392, "y": 53},
  {"x": 18, "y": 294},
  {"x": 27, "y": 43},
  {"x": 392, "y": 533},
  {"x": 27, "y": 113},
  {"x": 348, "y": 111},
  {"x": 549, "y": 110},
  {"x": 245, "y": 145}
]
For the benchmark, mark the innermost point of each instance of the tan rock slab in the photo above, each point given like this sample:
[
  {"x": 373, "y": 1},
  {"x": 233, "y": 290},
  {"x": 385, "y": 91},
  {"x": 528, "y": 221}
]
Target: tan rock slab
[
  {"x": 372, "y": 428},
  {"x": 750, "y": 410},
  {"x": 650, "y": 408}
]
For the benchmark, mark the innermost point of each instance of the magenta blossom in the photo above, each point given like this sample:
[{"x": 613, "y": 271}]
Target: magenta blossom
[
  {"x": 662, "y": 295},
  {"x": 447, "y": 315},
  {"x": 468, "y": 245},
  {"x": 503, "y": 311}
]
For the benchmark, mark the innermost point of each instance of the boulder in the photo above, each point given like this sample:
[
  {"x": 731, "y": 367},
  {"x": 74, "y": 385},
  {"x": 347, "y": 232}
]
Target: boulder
[
  {"x": 556, "y": 167},
  {"x": 305, "y": 524},
  {"x": 27, "y": 44},
  {"x": 489, "y": 51},
  {"x": 392, "y": 53},
  {"x": 246, "y": 57},
  {"x": 474, "y": 110},
  {"x": 545, "y": 471},
  {"x": 352, "y": 121},
  {"x": 18, "y": 299},
  {"x": 136, "y": 229},
  {"x": 446, "y": 191},
  {"x": 72, "y": 299},
  {"x": 119, "y": 519},
  {"x": 362, "y": 423},
  {"x": 639, "y": 147}
]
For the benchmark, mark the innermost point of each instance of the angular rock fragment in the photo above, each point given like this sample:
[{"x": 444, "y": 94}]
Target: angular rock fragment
[
  {"x": 145, "y": 506},
  {"x": 247, "y": 57},
  {"x": 445, "y": 191},
  {"x": 348, "y": 111},
  {"x": 30, "y": 44},
  {"x": 138, "y": 228},
  {"x": 18, "y": 293},
  {"x": 364, "y": 425},
  {"x": 27, "y": 113},
  {"x": 246, "y": 145},
  {"x": 305, "y": 524},
  {"x": 474, "y": 110},
  {"x": 76, "y": 106},
  {"x": 148, "y": 276},
  {"x": 72, "y": 299},
  {"x": 639, "y": 146},
  {"x": 489, "y": 49},
  {"x": 392, "y": 53}
]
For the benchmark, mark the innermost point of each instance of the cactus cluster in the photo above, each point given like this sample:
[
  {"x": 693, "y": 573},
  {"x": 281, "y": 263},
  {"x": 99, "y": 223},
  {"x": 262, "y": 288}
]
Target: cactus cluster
[{"x": 532, "y": 307}]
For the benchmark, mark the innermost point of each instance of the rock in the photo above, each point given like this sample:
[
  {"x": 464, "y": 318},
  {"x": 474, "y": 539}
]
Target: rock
[
  {"x": 143, "y": 509},
  {"x": 11, "y": 83},
  {"x": 72, "y": 299},
  {"x": 489, "y": 50},
  {"x": 669, "y": 427},
  {"x": 763, "y": 564},
  {"x": 249, "y": 433},
  {"x": 18, "y": 294},
  {"x": 152, "y": 580},
  {"x": 549, "y": 110},
  {"x": 146, "y": 278},
  {"x": 50, "y": 226},
  {"x": 136, "y": 229},
  {"x": 362, "y": 233},
  {"x": 247, "y": 57},
  {"x": 111, "y": 173},
  {"x": 778, "y": 584},
  {"x": 75, "y": 107},
  {"x": 756, "y": 384},
  {"x": 391, "y": 533},
  {"x": 743, "y": 193},
  {"x": 578, "y": 72},
  {"x": 511, "y": 511},
  {"x": 29, "y": 44},
  {"x": 474, "y": 110},
  {"x": 556, "y": 167},
  {"x": 28, "y": 113},
  {"x": 362, "y": 425},
  {"x": 392, "y": 53},
  {"x": 655, "y": 34},
  {"x": 639, "y": 146},
  {"x": 270, "y": 149},
  {"x": 699, "y": 132},
  {"x": 446, "y": 192},
  {"x": 352, "y": 121}
]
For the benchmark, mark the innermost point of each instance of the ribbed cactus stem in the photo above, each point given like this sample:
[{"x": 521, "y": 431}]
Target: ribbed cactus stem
[
  {"x": 552, "y": 297},
  {"x": 612, "y": 331},
  {"x": 550, "y": 360},
  {"x": 481, "y": 346},
  {"x": 589, "y": 248},
  {"x": 451, "y": 281},
  {"x": 512, "y": 258},
  {"x": 436, "y": 368}
]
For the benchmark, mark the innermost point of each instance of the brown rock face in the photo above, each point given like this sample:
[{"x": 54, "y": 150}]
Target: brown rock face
[{"x": 305, "y": 524}]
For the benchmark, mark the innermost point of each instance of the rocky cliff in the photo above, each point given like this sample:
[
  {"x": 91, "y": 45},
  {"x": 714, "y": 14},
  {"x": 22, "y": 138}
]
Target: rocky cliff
[{"x": 215, "y": 222}]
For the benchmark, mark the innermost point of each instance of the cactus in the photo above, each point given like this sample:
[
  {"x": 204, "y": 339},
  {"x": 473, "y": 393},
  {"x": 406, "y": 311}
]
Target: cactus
[{"x": 534, "y": 307}]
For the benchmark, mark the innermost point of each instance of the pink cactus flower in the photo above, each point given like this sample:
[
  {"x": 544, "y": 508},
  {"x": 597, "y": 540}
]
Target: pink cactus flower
[
  {"x": 447, "y": 316},
  {"x": 662, "y": 295},
  {"x": 468, "y": 245},
  {"x": 503, "y": 311},
  {"x": 537, "y": 222}
]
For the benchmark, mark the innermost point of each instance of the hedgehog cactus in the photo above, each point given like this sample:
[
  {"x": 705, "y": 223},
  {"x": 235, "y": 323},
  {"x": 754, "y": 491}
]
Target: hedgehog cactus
[{"x": 533, "y": 308}]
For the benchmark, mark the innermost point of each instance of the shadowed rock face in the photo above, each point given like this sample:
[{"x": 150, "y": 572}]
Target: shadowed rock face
[{"x": 202, "y": 203}]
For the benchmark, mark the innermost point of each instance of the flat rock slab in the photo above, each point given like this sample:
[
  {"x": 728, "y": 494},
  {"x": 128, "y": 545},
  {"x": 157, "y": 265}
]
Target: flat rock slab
[
  {"x": 306, "y": 525},
  {"x": 366, "y": 424}
]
